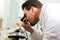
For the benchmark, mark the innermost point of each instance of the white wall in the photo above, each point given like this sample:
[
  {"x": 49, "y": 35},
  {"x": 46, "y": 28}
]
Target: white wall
[
  {"x": 1, "y": 7},
  {"x": 50, "y": 1}
]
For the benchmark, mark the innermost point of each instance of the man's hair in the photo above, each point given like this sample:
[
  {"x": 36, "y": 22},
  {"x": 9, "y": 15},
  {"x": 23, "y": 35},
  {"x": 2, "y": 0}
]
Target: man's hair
[{"x": 29, "y": 3}]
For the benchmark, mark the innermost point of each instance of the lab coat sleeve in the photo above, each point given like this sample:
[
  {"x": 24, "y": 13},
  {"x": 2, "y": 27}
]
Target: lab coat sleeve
[
  {"x": 49, "y": 32},
  {"x": 36, "y": 35}
]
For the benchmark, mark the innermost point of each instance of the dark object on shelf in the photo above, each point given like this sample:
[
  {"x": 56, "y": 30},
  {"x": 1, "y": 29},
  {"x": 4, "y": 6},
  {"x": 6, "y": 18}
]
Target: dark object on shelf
[
  {"x": 17, "y": 37},
  {"x": 19, "y": 30}
]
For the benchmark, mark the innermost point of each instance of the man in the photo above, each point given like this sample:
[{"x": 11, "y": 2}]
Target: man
[{"x": 47, "y": 16}]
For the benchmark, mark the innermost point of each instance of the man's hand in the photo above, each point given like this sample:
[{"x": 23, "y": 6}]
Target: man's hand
[{"x": 28, "y": 27}]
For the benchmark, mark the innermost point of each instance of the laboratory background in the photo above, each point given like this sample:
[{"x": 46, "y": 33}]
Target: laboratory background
[{"x": 11, "y": 12}]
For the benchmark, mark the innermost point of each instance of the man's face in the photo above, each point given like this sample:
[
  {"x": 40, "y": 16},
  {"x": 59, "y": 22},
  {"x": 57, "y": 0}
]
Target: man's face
[{"x": 32, "y": 15}]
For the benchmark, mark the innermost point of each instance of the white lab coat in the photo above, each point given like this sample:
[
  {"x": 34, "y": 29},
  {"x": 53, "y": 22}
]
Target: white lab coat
[{"x": 49, "y": 22}]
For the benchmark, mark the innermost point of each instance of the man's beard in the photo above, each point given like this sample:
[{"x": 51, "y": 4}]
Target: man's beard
[{"x": 34, "y": 22}]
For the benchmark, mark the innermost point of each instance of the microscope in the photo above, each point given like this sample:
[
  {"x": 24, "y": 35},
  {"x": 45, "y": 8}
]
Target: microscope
[{"x": 17, "y": 36}]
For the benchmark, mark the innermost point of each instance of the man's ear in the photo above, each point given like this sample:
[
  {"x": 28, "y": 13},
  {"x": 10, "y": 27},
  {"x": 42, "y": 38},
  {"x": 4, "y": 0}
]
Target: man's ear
[{"x": 32, "y": 9}]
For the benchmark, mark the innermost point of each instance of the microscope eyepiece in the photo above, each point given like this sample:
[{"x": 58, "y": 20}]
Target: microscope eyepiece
[{"x": 23, "y": 19}]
